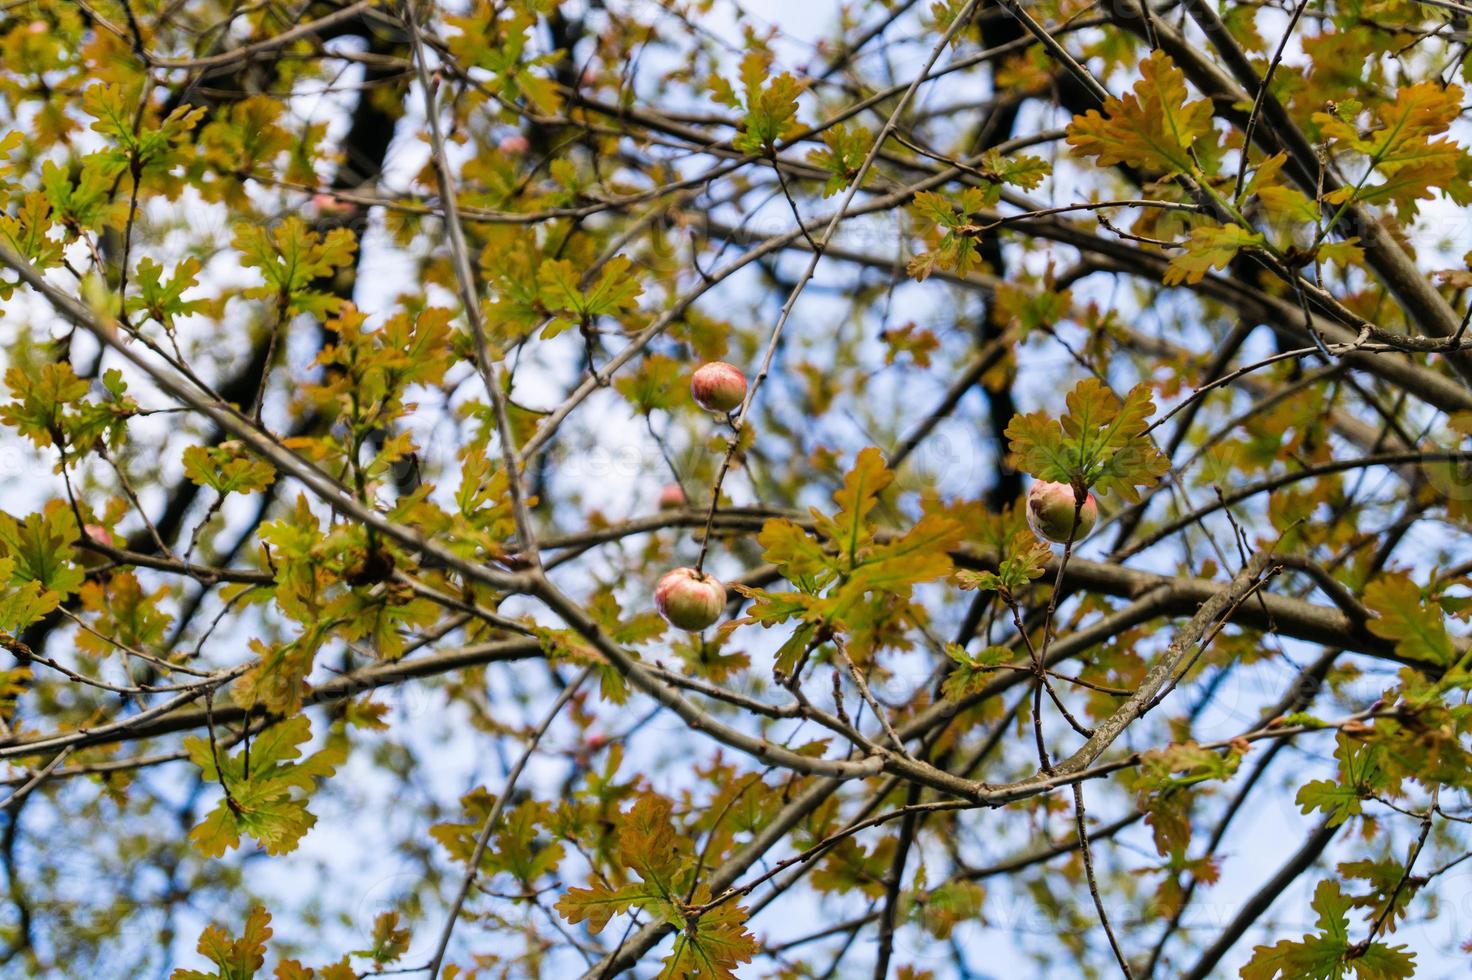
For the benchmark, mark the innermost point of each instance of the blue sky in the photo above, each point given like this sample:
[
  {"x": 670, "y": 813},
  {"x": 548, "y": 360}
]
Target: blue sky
[{"x": 355, "y": 821}]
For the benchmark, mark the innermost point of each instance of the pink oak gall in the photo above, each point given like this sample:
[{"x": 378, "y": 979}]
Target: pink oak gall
[
  {"x": 689, "y": 600},
  {"x": 1050, "y": 510},
  {"x": 718, "y": 386}
]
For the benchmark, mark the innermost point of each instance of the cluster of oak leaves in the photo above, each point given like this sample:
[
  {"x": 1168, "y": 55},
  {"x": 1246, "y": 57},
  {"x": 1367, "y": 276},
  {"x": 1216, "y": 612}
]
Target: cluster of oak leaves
[
  {"x": 1099, "y": 446},
  {"x": 1107, "y": 450}
]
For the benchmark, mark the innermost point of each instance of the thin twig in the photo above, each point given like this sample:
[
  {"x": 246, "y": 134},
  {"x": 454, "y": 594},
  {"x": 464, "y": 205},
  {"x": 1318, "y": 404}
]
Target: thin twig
[
  {"x": 739, "y": 420},
  {"x": 486, "y": 829},
  {"x": 1087, "y": 852},
  {"x": 470, "y": 297}
]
